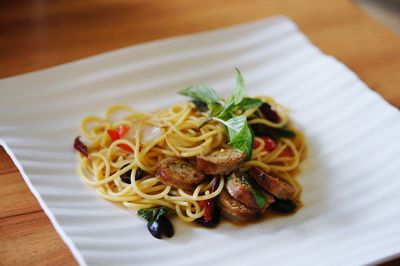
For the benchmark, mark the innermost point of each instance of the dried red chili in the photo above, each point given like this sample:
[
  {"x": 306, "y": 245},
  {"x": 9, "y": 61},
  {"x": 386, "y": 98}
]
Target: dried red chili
[{"x": 79, "y": 146}]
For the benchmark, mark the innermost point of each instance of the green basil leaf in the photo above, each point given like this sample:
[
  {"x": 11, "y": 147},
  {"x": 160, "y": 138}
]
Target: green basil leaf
[
  {"x": 240, "y": 134},
  {"x": 152, "y": 214},
  {"x": 226, "y": 113},
  {"x": 245, "y": 104},
  {"x": 216, "y": 108},
  {"x": 234, "y": 125},
  {"x": 204, "y": 94},
  {"x": 238, "y": 93},
  {"x": 249, "y": 103},
  {"x": 243, "y": 141},
  {"x": 200, "y": 106},
  {"x": 255, "y": 190},
  {"x": 261, "y": 201}
]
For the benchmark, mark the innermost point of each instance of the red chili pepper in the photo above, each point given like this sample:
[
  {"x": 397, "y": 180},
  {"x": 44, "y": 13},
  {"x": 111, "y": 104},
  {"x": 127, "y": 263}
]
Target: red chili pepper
[
  {"x": 117, "y": 134},
  {"x": 208, "y": 209},
  {"x": 269, "y": 146},
  {"x": 209, "y": 205},
  {"x": 79, "y": 146},
  {"x": 202, "y": 203}
]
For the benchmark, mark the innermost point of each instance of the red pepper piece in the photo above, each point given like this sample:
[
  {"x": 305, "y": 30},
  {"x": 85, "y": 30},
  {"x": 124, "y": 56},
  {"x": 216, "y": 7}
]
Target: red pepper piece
[
  {"x": 269, "y": 146},
  {"x": 114, "y": 135},
  {"x": 122, "y": 130},
  {"x": 117, "y": 134},
  {"x": 209, "y": 205},
  {"x": 287, "y": 152},
  {"x": 125, "y": 147},
  {"x": 79, "y": 146},
  {"x": 256, "y": 144}
]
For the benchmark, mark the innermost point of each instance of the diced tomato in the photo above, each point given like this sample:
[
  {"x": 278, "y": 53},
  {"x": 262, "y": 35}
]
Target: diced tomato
[
  {"x": 256, "y": 144},
  {"x": 125, "y": 147},
  {"x": 287, "y": 152},
  {"x": 269, "y": 146},
  {"x": 122, "y": 130},
  {"x": 117, "y": 134},
  {"x": 114, "y": 135}
]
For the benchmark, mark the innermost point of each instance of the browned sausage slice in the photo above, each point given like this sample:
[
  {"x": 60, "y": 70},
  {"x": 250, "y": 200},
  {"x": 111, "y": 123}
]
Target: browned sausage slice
[
  {"x": 234, "y": 210},
  {"x": 220, "y": 162},
  {"x": 276, "y": 186},
  {"x": 243, "y": 189},
  {"x": 178, "y": 173},
  {"x": 238, "y": 188}
]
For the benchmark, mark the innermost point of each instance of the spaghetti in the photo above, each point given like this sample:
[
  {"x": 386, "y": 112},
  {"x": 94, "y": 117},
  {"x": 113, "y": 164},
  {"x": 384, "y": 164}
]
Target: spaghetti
[
  {"x": 240, "y": 153},
  {"x": 175, "y": 132}
]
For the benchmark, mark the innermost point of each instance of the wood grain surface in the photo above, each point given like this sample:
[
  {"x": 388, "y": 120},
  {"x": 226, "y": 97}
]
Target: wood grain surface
[{"x": 40, "y": 34}]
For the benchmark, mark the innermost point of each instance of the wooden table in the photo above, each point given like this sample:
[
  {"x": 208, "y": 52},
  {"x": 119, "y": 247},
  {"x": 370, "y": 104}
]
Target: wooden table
[{"x": 39, "y": 34}]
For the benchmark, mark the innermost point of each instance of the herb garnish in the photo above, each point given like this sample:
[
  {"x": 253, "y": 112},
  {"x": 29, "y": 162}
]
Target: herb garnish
[
  {"x": 229, "y": 112},
  {"x": 254, "y": 189},
  {"x": 152, "y": 214}
]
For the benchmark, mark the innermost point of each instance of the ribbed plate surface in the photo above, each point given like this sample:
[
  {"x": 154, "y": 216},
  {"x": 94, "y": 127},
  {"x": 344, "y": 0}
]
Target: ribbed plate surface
[{"x": 351, "y": 176}]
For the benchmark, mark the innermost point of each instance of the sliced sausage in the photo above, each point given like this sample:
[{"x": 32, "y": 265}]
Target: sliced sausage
[
  {"x": 276, "y": 186},
  {"x": 234, "y": 210},
  {"x": 239, "y": 188},
  {"x": 220, "y": 162},
  {"x": 243, "y": 189},
  {"x": 178, "y": 173}
]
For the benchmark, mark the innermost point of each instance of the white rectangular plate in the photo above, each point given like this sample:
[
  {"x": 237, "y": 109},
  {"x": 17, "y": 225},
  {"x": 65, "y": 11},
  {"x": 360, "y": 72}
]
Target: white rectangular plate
[{"x": 351, "y": 178}]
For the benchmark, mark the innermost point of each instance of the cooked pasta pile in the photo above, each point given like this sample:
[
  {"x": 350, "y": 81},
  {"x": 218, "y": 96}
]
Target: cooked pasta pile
[{"x": 143, "y": 139}]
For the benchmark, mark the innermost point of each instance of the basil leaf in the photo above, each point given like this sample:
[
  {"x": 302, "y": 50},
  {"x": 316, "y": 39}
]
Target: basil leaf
[
  {"x": 240, "y": 134},
  {"x": 238, "y": 93},
  {"x": 152, "y": 214},
  {"x": 249, "y": 103},
  {"x": 261, "y": 201},
  {"x": 216, "y": 108},
  {"x": 245, "y": 104},
  {"x": 202, "y": 93},
  {"x": 226, "y": 112},
  {"x": 233, "y": 125},
  {"x": 243, "y": 141},
  {"x": 200, "y": 106}
]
